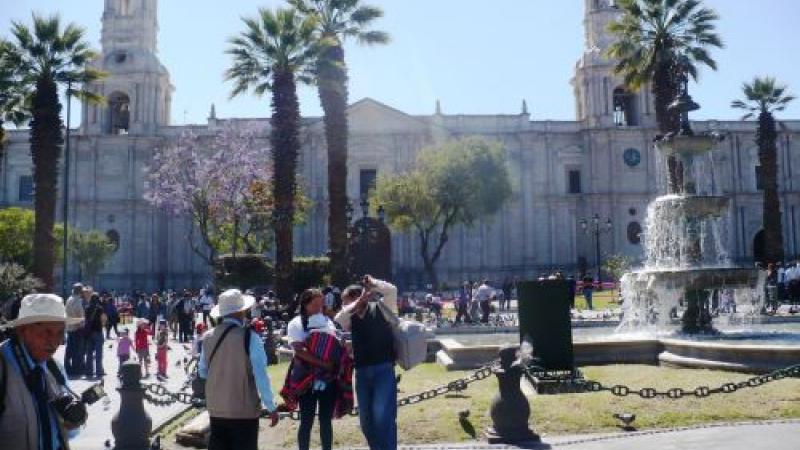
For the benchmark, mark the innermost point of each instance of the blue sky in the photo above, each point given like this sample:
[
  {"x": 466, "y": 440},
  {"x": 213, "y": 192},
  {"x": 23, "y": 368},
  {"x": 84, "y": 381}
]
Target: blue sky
[{"x": 476, "y": 56}]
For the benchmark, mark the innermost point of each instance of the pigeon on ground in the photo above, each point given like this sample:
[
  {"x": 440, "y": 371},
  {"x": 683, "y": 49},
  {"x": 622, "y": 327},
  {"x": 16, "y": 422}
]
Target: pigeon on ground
[{"x": 463, "y": 420}]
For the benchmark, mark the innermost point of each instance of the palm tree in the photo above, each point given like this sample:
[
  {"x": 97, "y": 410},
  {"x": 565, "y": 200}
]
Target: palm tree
[
  {"x": 653, "y": 37},
  {"x": 764, "y": 96},
  {"x": 274, "y": 53},
  {"x": 44, "y": 57},
  {"x": 336, "y": 21},
  {"x": 12, "y": 96}
]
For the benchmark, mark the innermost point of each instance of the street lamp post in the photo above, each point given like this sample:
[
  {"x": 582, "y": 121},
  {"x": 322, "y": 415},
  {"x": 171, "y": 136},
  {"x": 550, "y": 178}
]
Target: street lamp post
[
  {"x": 65, "y": 209},
  {"x": 595, "y": 228}
]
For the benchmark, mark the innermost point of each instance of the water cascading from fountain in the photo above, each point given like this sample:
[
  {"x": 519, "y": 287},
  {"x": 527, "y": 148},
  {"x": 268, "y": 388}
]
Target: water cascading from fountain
[{"x": 687, "y": 266}]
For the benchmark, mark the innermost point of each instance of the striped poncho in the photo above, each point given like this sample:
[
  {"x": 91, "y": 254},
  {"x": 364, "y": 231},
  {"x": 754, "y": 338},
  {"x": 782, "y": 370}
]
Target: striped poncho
[{"x": 301, "y": 376}]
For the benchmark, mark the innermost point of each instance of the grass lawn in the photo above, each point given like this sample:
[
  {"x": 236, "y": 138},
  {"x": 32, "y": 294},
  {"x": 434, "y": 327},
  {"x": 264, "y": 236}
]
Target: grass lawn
[
  {"x": 600, "y": 300},
  {"x": 436, "y": 420}
]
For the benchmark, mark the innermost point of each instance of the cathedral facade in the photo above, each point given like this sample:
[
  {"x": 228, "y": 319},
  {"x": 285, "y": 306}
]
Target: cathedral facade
[{"x": 564, "y": 172}]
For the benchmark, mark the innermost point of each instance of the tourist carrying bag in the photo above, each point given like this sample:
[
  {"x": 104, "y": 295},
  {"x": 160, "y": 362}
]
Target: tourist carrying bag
[
  {"x": 410, "y": 339},
  {"x": 410, "y": 343},
  {"x": 198, "y": 382}
]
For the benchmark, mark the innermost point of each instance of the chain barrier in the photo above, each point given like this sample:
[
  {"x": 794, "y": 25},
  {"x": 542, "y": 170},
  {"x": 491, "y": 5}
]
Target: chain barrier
[
  {"x": 458, "y": 385},
  {"x": 580, "y": 385},
  {"x": 158, "y": 395}
]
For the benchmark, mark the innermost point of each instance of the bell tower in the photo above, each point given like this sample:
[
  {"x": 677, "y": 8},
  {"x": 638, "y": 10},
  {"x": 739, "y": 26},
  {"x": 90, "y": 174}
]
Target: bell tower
[
  {"x": 601, "y": 99},
  {"x": 138, "y": 91}
]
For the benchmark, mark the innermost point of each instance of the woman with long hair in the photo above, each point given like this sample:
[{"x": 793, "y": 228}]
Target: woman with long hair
[{"x": 308, "y": 371}]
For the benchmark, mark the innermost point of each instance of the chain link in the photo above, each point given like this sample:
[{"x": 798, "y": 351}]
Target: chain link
[
  {"x": 158, "y": 395},
  {"x": 580, "y": 385}
]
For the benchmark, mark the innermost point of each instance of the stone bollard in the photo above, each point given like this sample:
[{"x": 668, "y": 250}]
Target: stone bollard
[
  {"x": 509, "y": 410},
  {"x": 131, "y": 425}
]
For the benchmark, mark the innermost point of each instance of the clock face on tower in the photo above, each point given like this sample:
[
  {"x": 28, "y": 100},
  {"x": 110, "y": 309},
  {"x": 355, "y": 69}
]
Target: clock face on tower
[{"x": 632, "y": 157}]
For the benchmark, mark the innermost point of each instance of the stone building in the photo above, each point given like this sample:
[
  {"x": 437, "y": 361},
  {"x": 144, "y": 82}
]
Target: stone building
[{"x": 563, "y": 171}]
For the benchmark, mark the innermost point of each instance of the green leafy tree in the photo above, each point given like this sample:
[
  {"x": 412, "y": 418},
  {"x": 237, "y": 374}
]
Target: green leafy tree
[
  {"x": 15, "y": 281},
  {"x": 338, "y": 20},
  {"x": 762, "y": 98},
  {"x": 273, "y": 53},
  {"x": 456, "y": 183},
  {"x": 91, "y": 250},
  {"x": 17, "y": 226},
  {"x": 617, "y": 265},
  {"x": 43, "y": 57},
  {"x": 652, "y": 38}
]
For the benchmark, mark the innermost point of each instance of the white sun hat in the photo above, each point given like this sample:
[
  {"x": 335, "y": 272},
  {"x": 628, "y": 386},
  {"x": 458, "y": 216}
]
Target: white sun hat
[
  {"x": 36, "y": 308},
  {"x": 232, "y": 301}
]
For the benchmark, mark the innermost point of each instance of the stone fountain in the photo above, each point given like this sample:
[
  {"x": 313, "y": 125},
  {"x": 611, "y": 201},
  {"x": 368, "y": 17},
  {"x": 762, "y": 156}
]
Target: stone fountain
[{"x": 686, "y": 259}]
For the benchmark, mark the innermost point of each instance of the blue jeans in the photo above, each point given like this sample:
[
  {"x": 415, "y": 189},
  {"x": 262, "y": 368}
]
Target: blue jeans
[
  {"x": 587, "y": 294},
  {"x": 94, "y": 354},
  {"x": 376, "y": 391},
  {"x": 75, "y": 354}
]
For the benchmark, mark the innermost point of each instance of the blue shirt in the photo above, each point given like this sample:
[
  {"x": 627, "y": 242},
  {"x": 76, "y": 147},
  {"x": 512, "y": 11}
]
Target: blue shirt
[
  {"x": 9, "y": 355},
  {"x": 258, "y": 362}
]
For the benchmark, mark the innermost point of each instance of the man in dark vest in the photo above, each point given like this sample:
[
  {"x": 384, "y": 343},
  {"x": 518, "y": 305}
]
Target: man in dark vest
[
  {"x": 370, "y": 314},
  {"x": 30, "y": 379},
  {"x": 234, "y": 365}
]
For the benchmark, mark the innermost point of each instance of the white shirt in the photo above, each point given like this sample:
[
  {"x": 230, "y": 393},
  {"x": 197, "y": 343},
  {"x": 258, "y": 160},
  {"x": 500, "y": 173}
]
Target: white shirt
[
  {"x": 75, "y": 310},
  {"x": 484, "y": 293},
  {"x": 296, "y": 333},
  {"x": 207, "y": 302}
]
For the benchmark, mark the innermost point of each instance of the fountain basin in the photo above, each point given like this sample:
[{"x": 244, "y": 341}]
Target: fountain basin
[
  {"x": 652, "y": 351},
  {"x": 695, "y": 278},
  {"x": 686, "y": 145},
  {"x": 696, "y": 206},
  {"x": 723, "y": 356}
]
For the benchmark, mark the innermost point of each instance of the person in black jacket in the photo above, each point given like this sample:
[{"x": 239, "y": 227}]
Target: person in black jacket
[
  {"x": 369, "y": 313},
  {"x": 95, "y": 315}
]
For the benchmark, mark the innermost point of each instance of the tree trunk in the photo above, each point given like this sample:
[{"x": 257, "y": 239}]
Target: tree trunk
[
  {"x": 2, "y": 140},
  {"x": 332, "y": 74},
  {"x": 665, "y": 90},
  {"x": 285, "y": 145},
  {"x": 428, "y": 261},
  {"x": 766, "y": 137},
  {"x": 46, "y": 140}
]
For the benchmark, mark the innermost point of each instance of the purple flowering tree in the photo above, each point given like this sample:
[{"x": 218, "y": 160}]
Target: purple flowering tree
[{"x": 222, "y": 182}]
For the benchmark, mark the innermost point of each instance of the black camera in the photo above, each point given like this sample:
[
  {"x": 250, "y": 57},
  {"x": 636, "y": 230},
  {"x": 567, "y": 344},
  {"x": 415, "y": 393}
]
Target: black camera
[{"x": 72, "y": 409}]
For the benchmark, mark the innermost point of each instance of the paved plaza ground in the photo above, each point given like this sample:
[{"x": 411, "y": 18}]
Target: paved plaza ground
[{"x": 98, "y": 428}]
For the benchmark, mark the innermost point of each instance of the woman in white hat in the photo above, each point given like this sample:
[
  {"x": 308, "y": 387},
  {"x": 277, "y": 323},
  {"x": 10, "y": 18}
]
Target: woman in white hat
[{"x": 28, "y": 419}]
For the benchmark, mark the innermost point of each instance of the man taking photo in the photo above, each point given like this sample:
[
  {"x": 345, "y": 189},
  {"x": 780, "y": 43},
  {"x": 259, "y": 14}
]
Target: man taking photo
[{"x": 370, "y": 314}]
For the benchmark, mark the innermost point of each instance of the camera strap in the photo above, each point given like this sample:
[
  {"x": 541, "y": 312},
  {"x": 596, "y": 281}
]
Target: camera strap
[{"x": 27, "y": 376}]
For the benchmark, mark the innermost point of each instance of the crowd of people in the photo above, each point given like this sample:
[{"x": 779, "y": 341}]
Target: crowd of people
[
  {"x": 227, "y": 334},
  {"x": 342, "y": 341},
  {"x": 783, "y": 284}
]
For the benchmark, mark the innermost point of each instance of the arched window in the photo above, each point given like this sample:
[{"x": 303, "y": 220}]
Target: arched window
[
  {"x": 625, "y": 114},
  {"x": 634, "y": 233},
  {"x": 119, "y": 107},
  {"x": 125, "y": 7},
  {"x": 113, "y": 237}
]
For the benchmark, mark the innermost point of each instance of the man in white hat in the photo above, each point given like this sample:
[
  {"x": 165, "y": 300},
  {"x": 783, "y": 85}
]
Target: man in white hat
[
  {"x": 30, "y": 379},
  {"x": 234, "y": 365}
]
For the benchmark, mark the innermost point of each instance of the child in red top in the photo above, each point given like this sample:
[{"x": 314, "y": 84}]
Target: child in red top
[{"x": 142, "y": 346}]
